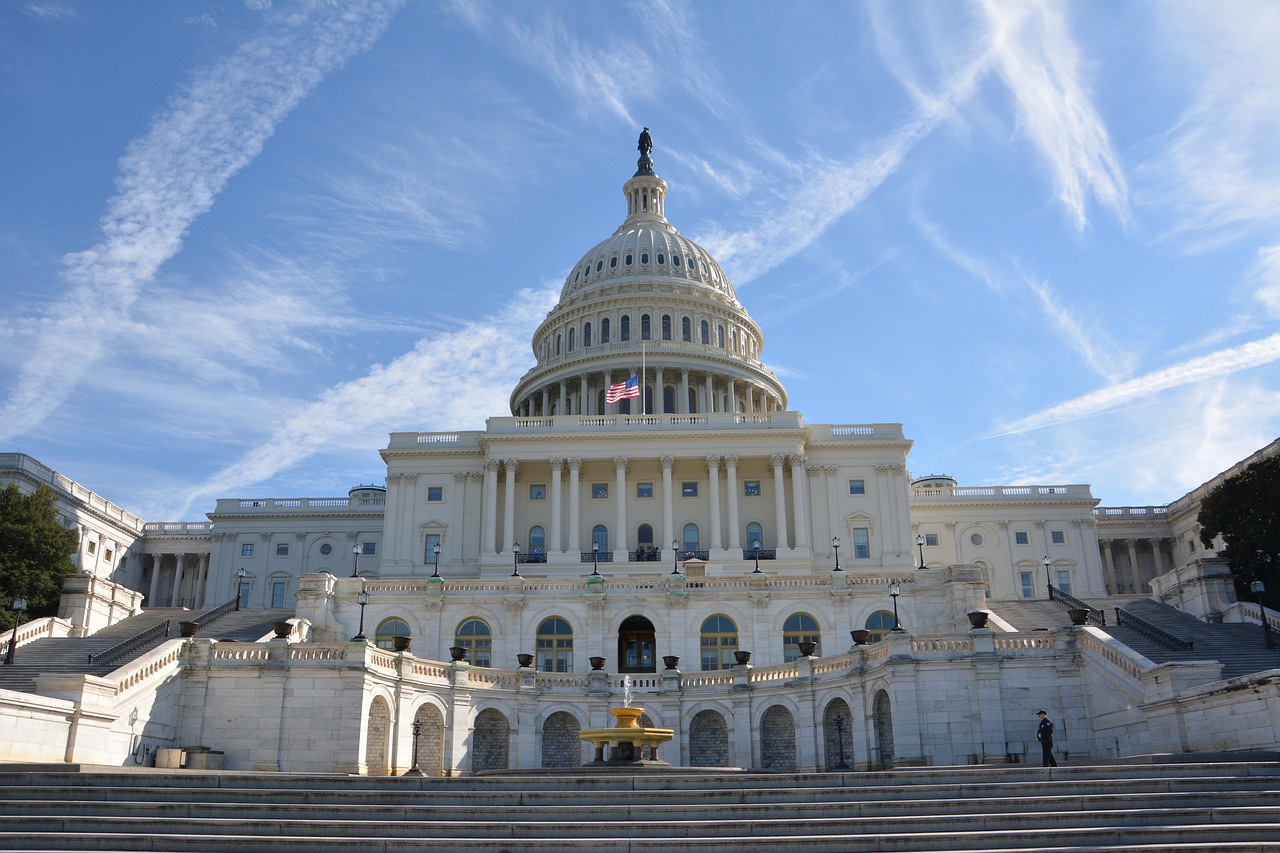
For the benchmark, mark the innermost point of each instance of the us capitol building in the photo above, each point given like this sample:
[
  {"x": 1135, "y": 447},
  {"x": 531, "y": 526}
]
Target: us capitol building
[{"x": 782, "y": 595}]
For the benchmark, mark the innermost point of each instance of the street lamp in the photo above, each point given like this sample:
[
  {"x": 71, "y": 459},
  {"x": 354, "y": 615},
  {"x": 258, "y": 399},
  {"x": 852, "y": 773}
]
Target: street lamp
[
  {"x": 675, "y": 556},
  {"x": 920, "y": 545},
  {"x": 417, "y": 732},
  {"x": 435, "y": 554},
  {"x": 1048, "y": 586},
  {"x": 894, "y": 591},
  {"x": 839, "y": 723},
  {"x": 835, "y": 543},
  {"x": 595, "y": 559},
  {"x": 19, "y": 607},
  {"x": 515, "y": 559},
  {"x": 363, "y": 600},
  {"x": 355, "y": 561},
  {"x": 1257, "y": 588},
  {"x": 755, "y": 548}
]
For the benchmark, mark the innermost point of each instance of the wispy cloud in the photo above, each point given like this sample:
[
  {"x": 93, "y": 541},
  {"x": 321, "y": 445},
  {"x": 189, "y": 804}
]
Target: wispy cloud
[
  {"x": 1040, "y": 63},
  {"x": 169, "y": 177}
]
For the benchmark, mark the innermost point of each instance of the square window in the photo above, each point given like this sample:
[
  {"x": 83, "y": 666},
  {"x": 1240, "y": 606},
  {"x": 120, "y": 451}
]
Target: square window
[
  {"x": 93, "y": 546},
  {"x": 644, "y": 490},
  {"x": 1059, "y": 537},
  {"x": 861, "y": 543},
  {"x": 282, "y": 549},
  {"x": 599, "y": 491},
  {"x": 857, "y": 487},
  {"x": 435, "y": 494},
  {"x": 246, "y": 550},
  {"x": 106, "y": 555},
  {"x": 368, "y": 549},
  {"x": 751, "y": 488},
  {"x": 931, "y": 539},
  {"x": 1020, "y": 537},
  {"x": 688, "y": 490},
  {"x": 537, "y": 492}
]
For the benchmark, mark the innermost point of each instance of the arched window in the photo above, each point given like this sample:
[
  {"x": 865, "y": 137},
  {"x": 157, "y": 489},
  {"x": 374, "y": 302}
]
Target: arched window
[
  {"x": 720, "y": 336},
  {"x": 668, "y": 399},
  {"x": 693, "y": 401},
  {"x": 644, "y": 534},
  {"x": 624, "y": 328},
  {"x": 705, "y": 331},
  {"x": 388, "y": 629},
  {"x": 666, "y": 327},
  {"x": 799, "y": 628},
  {"x": 686, "y": 330},
  {"x": 600, "y": 536},
  {"x": 879, "y": 624},
  {"x": 555, "y": 646},
  {"x": 558, "y": 340},
  {"x": 645, "y": 330},
  {"x": 537, "y": 544},
  {"x": 755, "y": 533},
  {"x": 473, "y": 635},
  {"x": 604, "y": 331},
  {"x": 586, "y": 334},
  {"x": 691, "y": 537},
  {"x": 719, "y": 642},
  {"x": 573, "y": 343}
]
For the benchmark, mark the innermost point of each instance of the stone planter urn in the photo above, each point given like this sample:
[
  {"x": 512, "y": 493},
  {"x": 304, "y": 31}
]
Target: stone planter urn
[
  {"x": 188, "y": 629},
  {"x": 670, "y": 661},
  {"x": 1079, "y": 616},
  {"x": 742, "y": 658},
  {"x": 400, "y": 643},
  {"x": 861, "y": 636},
  {"x": 807, "y": 649},
  {"x": 524, "y": 660},
  {"x": 597, "y": 663},
  {"x": 458, "y": 653},
  {"x": 283, "y": 629},
  {"x": 978, "y": 618}
]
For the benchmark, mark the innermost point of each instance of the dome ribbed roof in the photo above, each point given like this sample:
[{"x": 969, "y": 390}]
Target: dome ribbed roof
[{"x": 646, "y": 251}]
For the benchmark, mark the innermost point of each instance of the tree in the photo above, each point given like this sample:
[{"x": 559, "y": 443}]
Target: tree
[
  {"x": 1245, "y": 511},
  {"x": 35, "y": 552}
]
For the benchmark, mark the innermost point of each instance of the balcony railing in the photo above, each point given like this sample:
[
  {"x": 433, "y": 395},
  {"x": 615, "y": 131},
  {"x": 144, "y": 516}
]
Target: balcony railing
[{"x": 763, "y": 554}]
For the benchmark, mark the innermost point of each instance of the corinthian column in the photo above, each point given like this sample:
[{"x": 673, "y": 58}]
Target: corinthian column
[
  {"x": 555, "y": 546},
  {"x": 509, "y": 505},
  {"x": 620, "y": 491},
  {"x": 668, "y": 513},
  {"x": 731, "y": 478},
  {"x": 780, "y": 501},
  {"x": 713, "y": 471},
  {"x": 800, "y": 497}
]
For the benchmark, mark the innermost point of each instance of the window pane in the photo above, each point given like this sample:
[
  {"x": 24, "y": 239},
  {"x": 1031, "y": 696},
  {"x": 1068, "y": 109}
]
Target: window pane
[{"x": 861, "y": 543}]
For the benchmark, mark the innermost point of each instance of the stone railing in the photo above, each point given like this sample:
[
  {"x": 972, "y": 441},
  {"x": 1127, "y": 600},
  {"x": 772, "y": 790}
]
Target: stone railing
[
  {"x": 42, "y": 474},
  {"x": 1003, "y": 493},
  {"x": 293, "y": 505},
  {"x": 178, "y": 528},
  {"x": 1134, "y": 513}
]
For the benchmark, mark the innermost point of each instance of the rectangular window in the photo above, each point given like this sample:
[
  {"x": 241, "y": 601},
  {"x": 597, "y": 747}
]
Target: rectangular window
[
  {"x": 246, "y": 550},
  {"x": 537, "y": 492},
  {"x": 599, "y": 491},
  {"x": 1020, "y": 538},
  {"x": 106, "y": 555},
  {"x": 282, "y": 549},
  {"x": 430, "y": 558},
  {"x": 857, "y": 487},
  {"x": 644, "y": 490},
  {"x": 368, "y": 549},
  {"x": 751, "y": 488},
  {"x": 931, "y": 539},
  {"x": 861, "y": 543},
  {"x": 1064, "y": 581},
  {"x": 1059, "y": 537},
  {"x": 93, "y": 546},
  {"x": 277, "y": 594},
  {"x": 688, "y": 490},
  {"x": 435, "y": 494},
  {"x": 1028, "y": 584}
]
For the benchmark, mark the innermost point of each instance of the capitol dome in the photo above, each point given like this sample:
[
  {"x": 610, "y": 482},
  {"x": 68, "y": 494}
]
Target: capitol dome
[{"x": 647, "y": 300}]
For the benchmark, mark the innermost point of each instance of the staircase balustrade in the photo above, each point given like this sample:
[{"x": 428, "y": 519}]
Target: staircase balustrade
[
  {"x": 1157, "y": 635},
  {"x": 216, "y": 613},
  {"x": 128, "y": 646},
  {"x": 1096, "y": 616}
]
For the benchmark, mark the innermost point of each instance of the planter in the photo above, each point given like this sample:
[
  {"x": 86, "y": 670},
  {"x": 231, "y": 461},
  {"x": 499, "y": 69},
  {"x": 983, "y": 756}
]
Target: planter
[
  {"x": 283, "y": 629},
  {"x": 807, "y": 649},
  {"x": 188, "y": 629},
  {"x": 458, "y": 653},
  {"x": 525, "y": 661},
  {"x": 1079, "y": 616},
  {"x": 742, "y": 658},
  {"x": 400, "y": 644},
  {"x": 861, "y": 636},
  {"x": 597, "y": 663},
  {"x": 670, "y": 661},
  {"x": 978, "y": 618}
]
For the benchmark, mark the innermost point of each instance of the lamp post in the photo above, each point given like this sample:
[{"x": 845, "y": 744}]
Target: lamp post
[
  {"x": 1257, "y": 588},
  {"x": 839, "y": 723},
  {"x": 675, "y": 556},
  {"x": 755, "y": 549},
  {"x": 920, "y": 545},
  {"x": 415, "y": 770},
  {"x": 363, "y": 600},
  {"x": 435, "y": 554},
  {"x": 515, "y": 559},
  {"x": 19, "y": 607},
  {"x": 240, "y": 575},
  {"x": 894, "y": 591},
  {"x": 355, "y": 561},
  {"x": 595, "y": 559},
  {"x": 1048, "y": 585},
  {"x": 835, "y": 544}
]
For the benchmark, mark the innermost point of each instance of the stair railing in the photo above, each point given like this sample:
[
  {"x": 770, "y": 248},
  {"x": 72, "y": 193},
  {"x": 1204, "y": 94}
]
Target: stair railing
[
  {"x": 1096, "y": 616},
  {"x": 128, "y": 646},
  {"x": 217, "y": 613},
  {"x": 1157, "y": 635}
]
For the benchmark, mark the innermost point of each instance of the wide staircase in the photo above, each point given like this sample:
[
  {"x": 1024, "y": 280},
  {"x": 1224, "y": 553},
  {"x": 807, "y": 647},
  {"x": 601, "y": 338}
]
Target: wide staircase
[
  {"x": 1237, "y": 645},
  {"x": 73, "y": 654},
  {"x": 1153, "y": 807}
]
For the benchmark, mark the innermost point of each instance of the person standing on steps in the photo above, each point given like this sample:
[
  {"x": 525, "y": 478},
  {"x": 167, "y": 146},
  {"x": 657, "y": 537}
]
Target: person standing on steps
[{"x": 1044, "y": 734}]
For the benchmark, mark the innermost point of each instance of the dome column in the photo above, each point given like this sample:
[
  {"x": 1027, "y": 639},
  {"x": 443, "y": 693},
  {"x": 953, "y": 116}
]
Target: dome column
[
  {"x": 561, "y": 400},
  {"x": 711, "y": 392},
  {"x": 682, "y": 405},
  {"x": 583, "y": 408},
  {"x": 659, "y": 397},
  {"x": 733, "y": 397}
]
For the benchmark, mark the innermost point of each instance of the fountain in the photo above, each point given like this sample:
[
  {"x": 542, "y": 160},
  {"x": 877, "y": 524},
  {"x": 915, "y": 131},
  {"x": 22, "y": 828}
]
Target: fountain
[{"x": 629, "y": 743}]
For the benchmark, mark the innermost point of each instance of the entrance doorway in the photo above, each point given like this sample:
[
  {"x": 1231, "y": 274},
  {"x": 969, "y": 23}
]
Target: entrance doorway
[{"x": 635, "y": 646}]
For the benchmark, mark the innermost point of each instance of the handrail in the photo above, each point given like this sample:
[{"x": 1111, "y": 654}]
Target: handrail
[
  {"x": 1158, "y": 635},
  {"x": 131, "y": 644},
  {"x": 1096, "y": 616},
  {"x": 216, "y": 613}
]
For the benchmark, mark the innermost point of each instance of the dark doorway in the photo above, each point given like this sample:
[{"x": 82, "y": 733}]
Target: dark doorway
[{"x": 635, "y": 646}]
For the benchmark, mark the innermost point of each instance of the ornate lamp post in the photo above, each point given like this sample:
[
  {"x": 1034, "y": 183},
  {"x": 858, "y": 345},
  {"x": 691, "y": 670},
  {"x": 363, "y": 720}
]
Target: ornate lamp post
[
  {"x": 835, "y": 543},
  {"x": 19, "y": 608},
  {"x": 894, "y": 591},
  {"x": 240, "y": 575},
  {"x": 515, "y": 559},
  {"x": 435, "y": 554},
  {"x": 839, "y": 723},
  {"x": 595, "y": 559},
  {"x": 417, "y": 732},
  {"x": 920, "y": 545},
  {"x": 675, "y": 556},
  {"x": 1048, "y": 585},
  {"x": 1257, "y": 588},
  {"x": 355, "y": 561},
  {"x": 755, "y": 549},
  {"x": 363, "y": 600}
]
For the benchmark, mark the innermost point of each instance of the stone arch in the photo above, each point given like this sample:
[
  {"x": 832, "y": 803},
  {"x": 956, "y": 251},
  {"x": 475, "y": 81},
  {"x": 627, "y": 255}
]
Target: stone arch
[
  {"x": 378, "y": 738},
  {"x": 708, "y": 740},
  {"x": 882, "y": 723},
  {"x": 561, "y": 746},
  {"x": 837, "y": 738},
  {"x": 490, "y": 741},
  {"x": 778, "y": 740},
  {"x": 430, "y": 741}
]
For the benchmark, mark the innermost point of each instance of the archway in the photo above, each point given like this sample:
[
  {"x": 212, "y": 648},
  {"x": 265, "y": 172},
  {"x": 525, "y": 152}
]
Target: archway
[
  {"x": 561, "y": 746},
  {"x": 490, "y": 741},
  {"x": 636, "y": 645},
  {"x": 837, "y": 735},
  {"x": 377, "y": 738},
  {"x": 882, "y": 720},
  {"x": 778, "y": 740},
  {"x": 430, "y": 741},
  {"x": 708, "y": 740}
]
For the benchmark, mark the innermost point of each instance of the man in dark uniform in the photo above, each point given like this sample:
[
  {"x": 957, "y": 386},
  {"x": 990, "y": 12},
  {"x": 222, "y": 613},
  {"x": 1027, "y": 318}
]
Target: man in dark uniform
[{"x": 1044, "y": 734}]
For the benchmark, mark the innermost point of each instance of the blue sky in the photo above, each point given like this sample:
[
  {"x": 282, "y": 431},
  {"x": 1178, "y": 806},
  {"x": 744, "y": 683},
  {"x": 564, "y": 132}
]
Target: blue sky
[{"x": 240, "y": 242}]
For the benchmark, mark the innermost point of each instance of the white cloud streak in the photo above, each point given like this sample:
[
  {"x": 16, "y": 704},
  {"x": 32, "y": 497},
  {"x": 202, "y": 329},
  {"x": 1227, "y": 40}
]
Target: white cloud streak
[{"x": 172, "y": 175}]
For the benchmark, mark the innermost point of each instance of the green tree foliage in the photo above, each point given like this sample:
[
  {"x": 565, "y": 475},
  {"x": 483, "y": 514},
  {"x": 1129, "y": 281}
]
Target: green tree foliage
[
  {"x": 1245, "y": 511},
  {"x": 35, "y": 552}
]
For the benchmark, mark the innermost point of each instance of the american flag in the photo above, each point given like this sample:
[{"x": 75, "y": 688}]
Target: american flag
[{"x": 623, "y": 390}]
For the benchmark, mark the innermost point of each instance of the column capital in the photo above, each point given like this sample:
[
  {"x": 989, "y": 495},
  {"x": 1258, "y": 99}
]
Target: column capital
[
  {"x": 668, "y": 462},
  {"x": 731, "y": 459},
  {"x": 492, "y": 465},
  {"x": 713, "y": 462},
  {"x": 777, "y": 459},
  {"x": 557, "y": 464},
  {"x": 574, "y": 463},
  {"x": 797, "y": 461}
]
